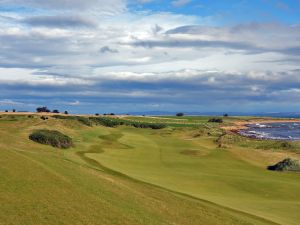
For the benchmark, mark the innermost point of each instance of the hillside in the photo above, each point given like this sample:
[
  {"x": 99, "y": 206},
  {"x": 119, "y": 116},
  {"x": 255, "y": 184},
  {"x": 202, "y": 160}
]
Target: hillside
[{"x": 129, "y": 175}]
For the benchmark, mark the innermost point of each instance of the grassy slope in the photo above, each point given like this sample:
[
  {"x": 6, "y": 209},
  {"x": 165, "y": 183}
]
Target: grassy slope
[
  {"x": 213, "y": 174},
  {"x": 42, "y": 185}
]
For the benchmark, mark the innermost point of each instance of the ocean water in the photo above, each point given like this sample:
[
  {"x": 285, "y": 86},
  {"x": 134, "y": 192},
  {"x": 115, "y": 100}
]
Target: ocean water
[{"x": 275, "y": 131}]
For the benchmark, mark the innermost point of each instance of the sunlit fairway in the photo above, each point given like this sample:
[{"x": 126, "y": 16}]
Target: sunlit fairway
[{"x": 127, "y": 175}]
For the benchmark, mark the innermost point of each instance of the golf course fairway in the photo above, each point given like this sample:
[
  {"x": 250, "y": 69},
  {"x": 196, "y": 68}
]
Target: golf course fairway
[{"x": 128, "y": 175}]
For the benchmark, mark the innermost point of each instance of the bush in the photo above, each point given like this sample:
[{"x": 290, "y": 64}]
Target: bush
[
  {"x": 285, "y": 145},
  {"x": 51, "y": 137},
  {"x": 66, "y": 112},
  {"x": 42, "y": 109},
  {"x": 44, "y": 118},
  {"x": 55, "y": 111},
  {"x": 113, "y": 122},
  {"x": 287, "y": 164},
  {"x": 148, "y": 125},
  {"x": 107, "y": 122},
  {"x": 215, "y": 120},
  {"x": 180, "y": 114}
]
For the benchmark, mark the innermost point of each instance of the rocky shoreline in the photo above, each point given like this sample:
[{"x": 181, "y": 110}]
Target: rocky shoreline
[{"x": 242, "y": 125}]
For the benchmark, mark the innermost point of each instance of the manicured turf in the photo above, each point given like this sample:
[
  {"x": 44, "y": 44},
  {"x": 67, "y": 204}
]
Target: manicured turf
[{"x": 173, "y": 177}]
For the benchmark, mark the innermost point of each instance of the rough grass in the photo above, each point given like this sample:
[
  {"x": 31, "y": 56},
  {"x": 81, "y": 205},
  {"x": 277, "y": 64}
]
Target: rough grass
[
  {"x": 51, "y": 137},
  {"x": 232, "y": 139},
  {"x": 80, "y": 119}
]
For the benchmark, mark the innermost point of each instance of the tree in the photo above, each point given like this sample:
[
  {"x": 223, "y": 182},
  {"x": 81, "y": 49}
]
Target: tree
[
  {"x": 96, "y": 114},
  {"x": 180, "y": 114},
  {"x": 43, "y": 109},
  {"x": 66, "y": 112},
  {"x": 6, "y": 110},
  {"x": 225, "y": 115},
  {"x": 14, "y": 110},
  {"x": 55, "y": 111}
]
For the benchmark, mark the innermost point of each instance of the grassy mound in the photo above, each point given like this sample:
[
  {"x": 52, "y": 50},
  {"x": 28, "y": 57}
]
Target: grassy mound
[
  {"x": 107, "y": 122},
  {"x": 83, "y": 120},
  {"x": 51, "y": 137},
  {"x": 287, "y": 164},
  {"x": 114, "y": 122}
]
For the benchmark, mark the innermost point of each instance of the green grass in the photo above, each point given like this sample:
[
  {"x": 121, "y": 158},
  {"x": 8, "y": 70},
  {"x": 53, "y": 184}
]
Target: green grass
[
  {"x": 214, "y": 175},
  {"x": 126, "y": 175}
]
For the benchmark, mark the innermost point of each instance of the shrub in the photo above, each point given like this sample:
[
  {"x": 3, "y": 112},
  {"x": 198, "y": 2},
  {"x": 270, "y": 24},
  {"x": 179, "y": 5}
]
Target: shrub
[
  {"x": 96, "y": 114},
  {"x": 215, "y": 120},
  {"x": 42, "y": 109},
  {"x": 51, "y": 137},
  {"x": 44, "y": 118},
  {"x": 107, "y": 122},
  {"x": 287, "y": 164},
  {"x": 66, "y": 112},
  {"x": 285, "y": 145},
  {"x": 180, "y": 114},
  {"x": 148, "y": 125},
  {"x": 14, "y": 110},
  {"x": 225, "y": 115},
  {"x": 55, "y": 111}
]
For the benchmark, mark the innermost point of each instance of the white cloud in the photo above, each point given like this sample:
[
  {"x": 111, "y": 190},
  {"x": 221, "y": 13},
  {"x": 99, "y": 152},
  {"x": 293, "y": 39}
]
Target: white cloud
[
  {"x": 10, "y": 102},
  {"x": 85, "y": 45},
  {"x": 74, "y": 103}
]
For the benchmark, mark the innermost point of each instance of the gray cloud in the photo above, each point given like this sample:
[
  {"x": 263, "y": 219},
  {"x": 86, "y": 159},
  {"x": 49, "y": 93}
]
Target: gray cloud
[
  {"x": 250, "y": 38},
  {"x": 184, "y": 43},
  {"x": 58, "y": 21},
  {"x": 204, "y": 89},
  {"x": 107, "y": 49}
]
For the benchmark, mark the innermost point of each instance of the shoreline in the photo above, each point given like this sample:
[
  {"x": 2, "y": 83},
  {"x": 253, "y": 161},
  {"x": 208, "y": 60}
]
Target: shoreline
[{"x": 242, "y": 125}]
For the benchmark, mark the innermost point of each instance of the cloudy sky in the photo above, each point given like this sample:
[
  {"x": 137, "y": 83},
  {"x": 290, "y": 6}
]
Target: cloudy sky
[{"x": 150, "y": 55}]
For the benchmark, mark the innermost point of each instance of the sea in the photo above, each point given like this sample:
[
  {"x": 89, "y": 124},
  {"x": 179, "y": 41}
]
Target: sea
[{"x": 274, "y": 131}]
